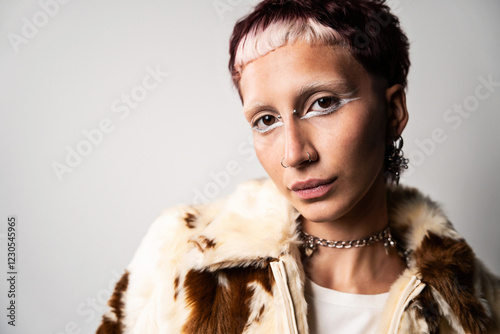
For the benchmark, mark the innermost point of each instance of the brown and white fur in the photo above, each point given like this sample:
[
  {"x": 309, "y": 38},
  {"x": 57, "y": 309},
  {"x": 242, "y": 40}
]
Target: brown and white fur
[{"x": 213, "y": 269}]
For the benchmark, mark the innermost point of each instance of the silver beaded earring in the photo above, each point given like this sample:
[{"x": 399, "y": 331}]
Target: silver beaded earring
[{"x": 395, "y": 160}]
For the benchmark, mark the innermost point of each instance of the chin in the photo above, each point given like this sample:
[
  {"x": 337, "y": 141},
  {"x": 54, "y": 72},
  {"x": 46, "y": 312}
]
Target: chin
[
  {"x": 320, "y": 218},
  {"x": 319, "y": 212}
]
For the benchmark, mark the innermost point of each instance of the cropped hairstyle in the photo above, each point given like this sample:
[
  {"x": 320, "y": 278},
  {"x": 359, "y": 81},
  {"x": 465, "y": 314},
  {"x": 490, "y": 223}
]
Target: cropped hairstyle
[{"x": 367, "y": 29}]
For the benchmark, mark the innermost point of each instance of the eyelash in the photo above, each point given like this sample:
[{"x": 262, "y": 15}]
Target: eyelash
[
  {"x": 337, "y": 104},
  {"x": 268, "y": 128}
]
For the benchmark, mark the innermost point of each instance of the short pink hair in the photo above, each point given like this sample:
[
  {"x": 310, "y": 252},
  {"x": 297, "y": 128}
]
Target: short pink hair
[{"x": 366, "y": 28}]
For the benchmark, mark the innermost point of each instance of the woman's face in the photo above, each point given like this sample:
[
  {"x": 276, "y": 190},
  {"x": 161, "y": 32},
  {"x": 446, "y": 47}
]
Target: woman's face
[{"x": 340, "y": 123}]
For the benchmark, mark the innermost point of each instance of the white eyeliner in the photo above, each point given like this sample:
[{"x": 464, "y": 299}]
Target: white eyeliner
[
  {"x": 310, "y": 114},
  {"x": 275, "y": 125},
  {"x": 341, "y": 103}
]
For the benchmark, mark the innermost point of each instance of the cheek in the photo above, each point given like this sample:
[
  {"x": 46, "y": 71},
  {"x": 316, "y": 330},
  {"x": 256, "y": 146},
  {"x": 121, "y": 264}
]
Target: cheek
[
  {"x": 356, "y": 139},
  {"x": 370, "y": 141},
  {"x": 267, "y": 155}
]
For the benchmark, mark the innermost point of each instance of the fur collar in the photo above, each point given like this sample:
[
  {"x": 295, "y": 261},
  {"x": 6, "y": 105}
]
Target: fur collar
[
  {"x": 257, "y": 224},
  {"x": 205, "y": 269}
]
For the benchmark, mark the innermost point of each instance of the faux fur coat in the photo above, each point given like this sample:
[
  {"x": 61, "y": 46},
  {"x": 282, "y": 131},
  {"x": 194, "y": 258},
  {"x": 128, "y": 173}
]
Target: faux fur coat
[{"x": 234, "y": 266}]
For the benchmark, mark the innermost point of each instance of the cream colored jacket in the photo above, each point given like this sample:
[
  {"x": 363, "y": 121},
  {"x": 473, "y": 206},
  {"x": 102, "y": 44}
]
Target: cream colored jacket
[{"x": 234, "y": 266}]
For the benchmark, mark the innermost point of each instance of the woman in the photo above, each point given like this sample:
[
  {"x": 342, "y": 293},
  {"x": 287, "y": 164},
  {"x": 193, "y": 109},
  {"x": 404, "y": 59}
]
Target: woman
[{"x": 330, "y": 244}]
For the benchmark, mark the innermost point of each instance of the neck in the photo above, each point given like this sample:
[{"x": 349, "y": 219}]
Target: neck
[
  {"x": 365, "y": 270},
  {"x": 366, "y": 218}
]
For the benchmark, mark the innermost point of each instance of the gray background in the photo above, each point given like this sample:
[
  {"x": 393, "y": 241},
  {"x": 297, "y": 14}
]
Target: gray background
[{"x": 77, "y": 234}]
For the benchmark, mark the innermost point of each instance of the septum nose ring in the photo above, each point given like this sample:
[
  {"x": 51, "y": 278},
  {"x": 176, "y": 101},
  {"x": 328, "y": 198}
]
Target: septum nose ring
[{"x": 308, "y": 156}]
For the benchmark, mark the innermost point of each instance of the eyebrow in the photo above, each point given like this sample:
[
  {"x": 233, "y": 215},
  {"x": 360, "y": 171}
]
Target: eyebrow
[
  {"x": 345, "y": 88},
  {"x": 256, "y": 107}
]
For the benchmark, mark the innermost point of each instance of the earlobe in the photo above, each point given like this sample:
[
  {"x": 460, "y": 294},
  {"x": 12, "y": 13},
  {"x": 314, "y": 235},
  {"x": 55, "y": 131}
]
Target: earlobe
[{"x": 396, "y": 110}]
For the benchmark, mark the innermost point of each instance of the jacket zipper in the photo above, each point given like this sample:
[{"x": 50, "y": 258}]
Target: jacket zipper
[
  {"x": 279, "y": 273},
  {"x": 412, "y": 289}
]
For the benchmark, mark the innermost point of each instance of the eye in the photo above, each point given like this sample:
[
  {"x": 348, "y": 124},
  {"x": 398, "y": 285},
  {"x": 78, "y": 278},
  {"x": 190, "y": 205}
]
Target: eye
[
  {"x": 324, "y": 103},
  {"x": 268, "y": 120},
  {"x": 266, "y": 123}
]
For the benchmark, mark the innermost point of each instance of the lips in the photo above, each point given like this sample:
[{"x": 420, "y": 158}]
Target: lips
[
  {"x": 308, "y": 184},
  {"x": 312, "y": 188}
]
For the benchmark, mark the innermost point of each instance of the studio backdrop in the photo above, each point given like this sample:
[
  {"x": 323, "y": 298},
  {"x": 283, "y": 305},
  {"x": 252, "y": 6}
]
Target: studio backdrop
[{"x": 112, "y": 111}]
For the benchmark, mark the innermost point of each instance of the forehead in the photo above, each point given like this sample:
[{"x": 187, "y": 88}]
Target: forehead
[{"x": 291, "y": 67}]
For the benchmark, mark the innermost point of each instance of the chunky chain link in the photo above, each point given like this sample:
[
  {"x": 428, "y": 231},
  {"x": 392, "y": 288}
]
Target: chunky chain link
[{"x": 311, "y": 242}]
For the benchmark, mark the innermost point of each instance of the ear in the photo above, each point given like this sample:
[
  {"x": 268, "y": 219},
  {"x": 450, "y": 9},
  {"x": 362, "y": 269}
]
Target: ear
[{"x": 397, "y": 114}]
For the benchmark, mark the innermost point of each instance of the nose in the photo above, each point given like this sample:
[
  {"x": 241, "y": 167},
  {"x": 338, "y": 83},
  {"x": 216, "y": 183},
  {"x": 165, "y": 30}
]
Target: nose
[{"x": 298, "y": 148}]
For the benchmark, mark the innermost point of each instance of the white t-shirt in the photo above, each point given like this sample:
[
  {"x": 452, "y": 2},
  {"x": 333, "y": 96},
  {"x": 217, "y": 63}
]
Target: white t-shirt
[{"x": 332, "y": 312}]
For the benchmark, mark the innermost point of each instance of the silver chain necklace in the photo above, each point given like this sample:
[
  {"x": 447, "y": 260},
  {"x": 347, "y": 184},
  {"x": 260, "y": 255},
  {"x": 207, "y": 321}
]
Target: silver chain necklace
[{"x": 311, "y": 242}]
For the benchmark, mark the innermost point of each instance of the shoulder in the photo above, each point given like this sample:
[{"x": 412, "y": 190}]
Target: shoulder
[
  {"x": 192, "y": 242},
  {"x": 247, "y": 228},
  {"x": 458, "y": 286},
  {"x": 238, "y": 219}
]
